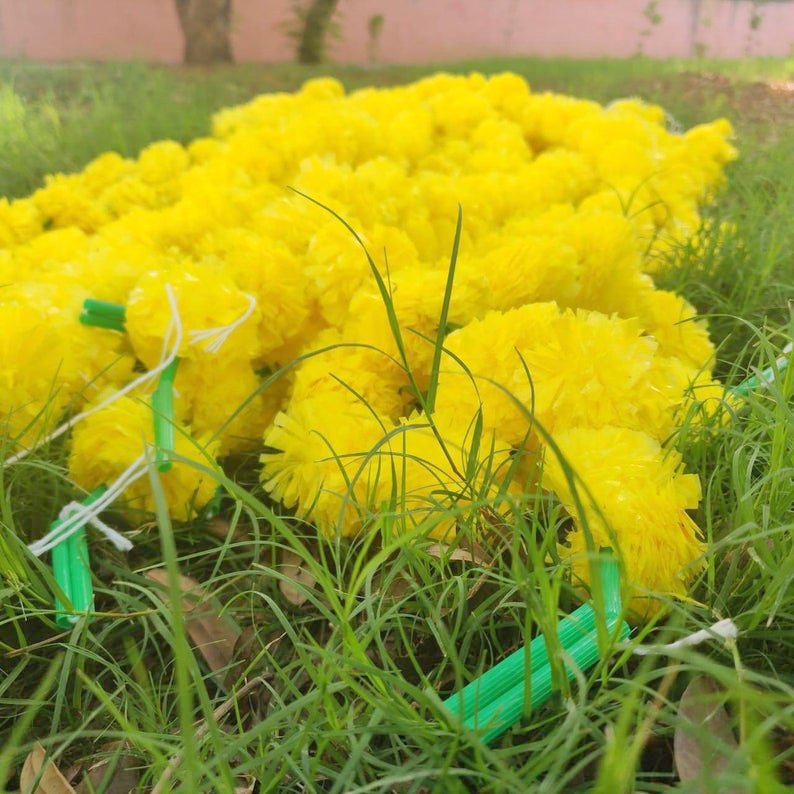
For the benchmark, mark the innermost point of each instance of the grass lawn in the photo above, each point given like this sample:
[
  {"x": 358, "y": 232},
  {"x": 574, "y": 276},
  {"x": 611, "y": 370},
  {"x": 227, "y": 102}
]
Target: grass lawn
[{"x": 349, "y": 700}]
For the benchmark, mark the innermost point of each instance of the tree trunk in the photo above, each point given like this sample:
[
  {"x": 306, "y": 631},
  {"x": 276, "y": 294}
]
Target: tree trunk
[
  {"x": 206, "y": 25},
  {"x": 312, "y": 43}
]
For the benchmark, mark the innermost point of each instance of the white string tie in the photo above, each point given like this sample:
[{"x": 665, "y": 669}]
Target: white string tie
[
  {"x": 175, "y": 330},
  {"x": 87, "y": 514},
  {"x": 723, "y": 629},
  {"x": 218, "y": 336},
  {"x": 115, "y": 537}
]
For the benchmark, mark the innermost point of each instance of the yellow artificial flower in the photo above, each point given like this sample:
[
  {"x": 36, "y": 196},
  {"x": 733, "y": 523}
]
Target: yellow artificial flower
[
  {"x": 206, "y": 298},
  {"x": 107, "y": 442},
  {"x": 324, "y": 460},
  {"x": 226, "y": 401},
  {"x": 20, "y": 221},
  {"x": 567, "y": 207},
  {"x": 633, "y": 498},
  {"x": 561, "y": 369}
]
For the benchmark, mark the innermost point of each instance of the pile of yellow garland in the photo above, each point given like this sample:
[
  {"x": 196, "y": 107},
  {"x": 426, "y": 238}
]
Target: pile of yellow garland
[{"x": 556, "y": 327}]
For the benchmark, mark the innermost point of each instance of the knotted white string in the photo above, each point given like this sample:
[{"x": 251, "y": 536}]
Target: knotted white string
[
  {"x": 75, "y": 515},
  {"x": 221, "y": 333},
  {"x": 723, "y": 629},
  {"x": 85, "y": 514},
  {"x": 217, "y": 337},
  {"x": 174, "y": 329},
  {"x": 115, "y": 537}
]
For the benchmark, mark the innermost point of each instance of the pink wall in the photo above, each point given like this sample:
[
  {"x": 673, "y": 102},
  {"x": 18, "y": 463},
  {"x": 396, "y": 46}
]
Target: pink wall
[{"x": 414, "y": 30}]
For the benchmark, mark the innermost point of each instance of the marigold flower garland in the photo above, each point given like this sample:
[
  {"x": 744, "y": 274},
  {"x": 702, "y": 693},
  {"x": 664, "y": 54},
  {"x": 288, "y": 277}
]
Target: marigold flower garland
[{"x": 555, "y": 321}]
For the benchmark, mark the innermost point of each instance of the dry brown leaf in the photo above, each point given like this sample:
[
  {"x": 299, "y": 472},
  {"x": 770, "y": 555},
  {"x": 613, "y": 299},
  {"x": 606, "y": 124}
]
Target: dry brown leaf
[
  {"x": 246, "y": 784},
  {"x": 698, "y": 758},
  {"x": 474, "y": 554},
  {"x": 399, "y": 586},
  {"x": 291, "y": 565},
  {"x": 219, "y": 527},
  {"x": 121, "y": 768},
  {"x": 213, "y": 636},
  {"x": 51, "y": 781}
]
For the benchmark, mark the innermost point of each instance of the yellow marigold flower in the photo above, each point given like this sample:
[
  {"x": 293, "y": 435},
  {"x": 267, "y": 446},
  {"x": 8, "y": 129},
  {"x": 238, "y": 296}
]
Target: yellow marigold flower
[
  {"x": 674, "y": 324},
  {"x": 410, "y": 135},
  {"x": 609, "y": 253},
  {"x": 48, "y": 360},
  {"x": 634, "y": 498},
  {"x": 322, "y": 88},
  {"x": 107, "y": 442},
  {"x": 112, "y": 264},
  {"x": 353, "y": 371},
  {"x": 336, "y": 267},
  {"x": 201, "y": 150},
  {"x": 547, "y": 117},
  {"x": 564, "y": 369},
  {"x": 54, "y": 252},
  {"x": 206, "y": 298},
  {"x": 275, "y": 277},
  {"x": 224, "y": 400},
  {"x": 162, "y": 162},
  {"x": 508, "y": 93},
  {"x": 104, "y": 171},
  {"x": 38, "y": 364},
  {"x": 324, "y": 461},
  {"x": 65, "y": 202},
  {"x": 128, "y": 194},
  {"x": 436, "y": 483},
  {"x": 532, "y": 268},
  {"x": 20, "y": 221}
]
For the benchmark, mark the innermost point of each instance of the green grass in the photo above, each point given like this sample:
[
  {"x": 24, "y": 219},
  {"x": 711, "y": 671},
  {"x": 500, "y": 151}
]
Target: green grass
[{"x": 354, "y": 677}]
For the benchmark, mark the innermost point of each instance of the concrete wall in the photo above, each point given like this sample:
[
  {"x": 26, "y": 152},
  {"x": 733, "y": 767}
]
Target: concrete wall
[{"x": 413, "y": 30}]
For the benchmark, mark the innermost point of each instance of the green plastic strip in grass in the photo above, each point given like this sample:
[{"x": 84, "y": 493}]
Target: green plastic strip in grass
[
  {"x": 496, "y": 701},
  {"x": 71, "y": 567},
  {"x": 163, "y": 410},
  {"x": 510, "y": 672},
  {"x": 503, "y": 713},
  {"x": 767, "y": 376}
]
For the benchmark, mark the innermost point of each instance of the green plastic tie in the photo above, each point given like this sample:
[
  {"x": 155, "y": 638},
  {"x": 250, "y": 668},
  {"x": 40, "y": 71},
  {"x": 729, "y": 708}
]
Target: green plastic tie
[
  {"x": 765, "y": 377},
  {"x": 496, "y": 701},
  {"x": 501, "y": 678},
  {"x": 500, "y": 715},
  {"x": 103, "y": 314},
  {"x": 213, "y": 507},
  {"x": 163, "y": 410},
  {"x": 71, "y": 567},
  {"x": 610, "y": 585}
]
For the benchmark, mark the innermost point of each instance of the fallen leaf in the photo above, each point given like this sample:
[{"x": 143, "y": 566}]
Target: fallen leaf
[
  {"x": 212, "y": 635},
  {"x": 299, "y": 578},
  {"x": 246, "y": 784},
  {"x": 396, "y": 587},
  {"x": 51, "y": 780},
  {"x": 115, "y": 774},
  {"x": 475, "y": 554},
  {"x": 704, "y": 742},
  {"x": 219, "y": 527}
]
